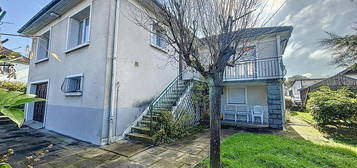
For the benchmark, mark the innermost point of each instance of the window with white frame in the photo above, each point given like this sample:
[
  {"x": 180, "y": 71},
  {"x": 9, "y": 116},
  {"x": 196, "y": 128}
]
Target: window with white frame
[
  {"x": 73, "y": 84},
  {"x": 236, "y": 95},
  {"x": 157, "y": 37},
  {"x": 43, "y": 45},
  {"x": 79, "y": 28}
]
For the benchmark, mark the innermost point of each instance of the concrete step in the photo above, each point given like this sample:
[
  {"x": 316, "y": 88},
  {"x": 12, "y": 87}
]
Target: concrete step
[
  {"x": 141, "y": 130},
  {"x": 144, "y": 123},
  {"x": 148, "y": 116},
  {"x": 141, "y": 137}
]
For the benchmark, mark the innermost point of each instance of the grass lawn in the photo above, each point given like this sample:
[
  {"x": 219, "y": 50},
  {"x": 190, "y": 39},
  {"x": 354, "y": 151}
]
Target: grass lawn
[
  {"x": 304, "y": 115},
  {"x": 248, "y": 150}
]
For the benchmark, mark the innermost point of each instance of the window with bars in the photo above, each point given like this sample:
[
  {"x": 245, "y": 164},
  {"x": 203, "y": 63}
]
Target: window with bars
[{"x": 72, "y": 85}]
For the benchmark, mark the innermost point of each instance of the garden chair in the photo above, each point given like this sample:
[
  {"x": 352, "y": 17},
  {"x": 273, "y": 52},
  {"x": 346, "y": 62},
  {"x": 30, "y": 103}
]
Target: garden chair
[{"x": 258, "y": 111}]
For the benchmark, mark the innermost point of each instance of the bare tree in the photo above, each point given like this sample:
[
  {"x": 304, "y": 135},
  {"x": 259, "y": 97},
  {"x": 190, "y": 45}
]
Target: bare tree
[{"x": 207, "y": 35}]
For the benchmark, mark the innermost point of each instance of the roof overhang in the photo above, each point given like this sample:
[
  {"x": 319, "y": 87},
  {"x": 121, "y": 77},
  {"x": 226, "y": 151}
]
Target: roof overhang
[{"x": 44, "y": 16}]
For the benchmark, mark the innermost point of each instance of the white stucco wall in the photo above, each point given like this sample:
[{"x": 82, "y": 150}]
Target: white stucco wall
[
  {"x": 143, "y": 71},
  {"x": 256, "y": 95},
  {"x": 80, "y": 117},
  {"x": 21, "y": 73}
]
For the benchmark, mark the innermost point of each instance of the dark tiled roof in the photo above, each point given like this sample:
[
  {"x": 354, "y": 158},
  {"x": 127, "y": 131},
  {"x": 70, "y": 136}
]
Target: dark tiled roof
[{"x": 17, "y": 58}]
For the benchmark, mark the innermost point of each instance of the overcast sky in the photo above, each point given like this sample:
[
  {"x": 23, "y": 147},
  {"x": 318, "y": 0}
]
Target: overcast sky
[{"x": 303, "y": 55}]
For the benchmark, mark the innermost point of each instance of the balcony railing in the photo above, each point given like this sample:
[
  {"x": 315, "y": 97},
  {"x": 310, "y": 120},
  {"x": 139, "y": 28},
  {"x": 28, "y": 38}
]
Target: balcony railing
[{"x": 266, "y": 68}]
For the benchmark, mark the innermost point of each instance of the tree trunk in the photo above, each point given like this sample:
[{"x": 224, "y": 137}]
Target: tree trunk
[
  {"x": 180, "y": 66},
  {"x": 215, "y": 92}
]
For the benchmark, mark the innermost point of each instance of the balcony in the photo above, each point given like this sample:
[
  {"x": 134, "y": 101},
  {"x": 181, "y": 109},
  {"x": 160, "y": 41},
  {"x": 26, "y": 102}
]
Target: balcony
[{"x": 257, "y": 69}]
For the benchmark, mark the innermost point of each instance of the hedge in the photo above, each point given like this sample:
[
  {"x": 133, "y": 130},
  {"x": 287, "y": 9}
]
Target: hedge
[
  {"x": 13, "y": 86},
  {"x": 333, "y": 107}
]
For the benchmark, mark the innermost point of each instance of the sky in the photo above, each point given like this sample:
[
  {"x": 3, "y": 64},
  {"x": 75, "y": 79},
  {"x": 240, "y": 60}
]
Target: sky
[{"x": 303, "y": 55}]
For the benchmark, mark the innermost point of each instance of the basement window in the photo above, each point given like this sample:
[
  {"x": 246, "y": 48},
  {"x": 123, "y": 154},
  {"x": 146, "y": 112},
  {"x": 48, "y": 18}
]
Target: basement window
[
  {"x": 79, "y": 29},
  {"x": 73, "y": 85}
]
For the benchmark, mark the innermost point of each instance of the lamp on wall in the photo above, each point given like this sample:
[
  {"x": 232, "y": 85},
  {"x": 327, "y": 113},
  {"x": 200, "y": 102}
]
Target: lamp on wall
[{"x": 53, "y": 14}]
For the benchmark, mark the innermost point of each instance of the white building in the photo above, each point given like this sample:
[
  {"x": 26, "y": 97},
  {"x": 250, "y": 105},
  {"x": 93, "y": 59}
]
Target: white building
[
  {"x": 298, "y": 84},
  {"x": 110, "y": 70}
]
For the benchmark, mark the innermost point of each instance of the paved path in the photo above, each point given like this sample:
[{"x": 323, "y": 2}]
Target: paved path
[
  {"x": 305, "y": 130},
  {"x": 70, "y": 153}
]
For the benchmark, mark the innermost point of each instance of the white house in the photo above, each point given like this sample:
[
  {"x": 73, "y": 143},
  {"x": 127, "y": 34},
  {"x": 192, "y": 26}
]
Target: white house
[
  {"x": 294, "y": 90},
  {"x": 15, "y": 69},
  {"x": 112, "y": 74}
]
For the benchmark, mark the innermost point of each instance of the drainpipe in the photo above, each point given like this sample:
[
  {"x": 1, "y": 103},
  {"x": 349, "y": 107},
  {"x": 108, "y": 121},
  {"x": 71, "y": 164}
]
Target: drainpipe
[{"x": 114, "y": 84}]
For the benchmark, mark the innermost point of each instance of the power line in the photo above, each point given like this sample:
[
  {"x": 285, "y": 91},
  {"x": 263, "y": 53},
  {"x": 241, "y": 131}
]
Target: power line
[{"x": 275, "y": 13}]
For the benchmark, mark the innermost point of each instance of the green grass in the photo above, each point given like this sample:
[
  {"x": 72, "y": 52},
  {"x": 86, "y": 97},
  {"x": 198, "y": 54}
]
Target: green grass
[
  {"x": 247, "y": 150},
  {"x": 304, "y": 115}
]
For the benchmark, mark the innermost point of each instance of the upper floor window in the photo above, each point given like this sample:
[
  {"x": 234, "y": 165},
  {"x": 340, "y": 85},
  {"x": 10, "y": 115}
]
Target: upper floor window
[
  {"x": 247, "y": 53},
  {"x": 79, "y": 29},
  {"x": 43, "y": 46},
  {"x": 157, "y": 37}
]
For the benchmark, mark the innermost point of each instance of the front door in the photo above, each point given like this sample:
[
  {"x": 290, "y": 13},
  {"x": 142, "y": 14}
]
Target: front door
[{"x": 39, "y": 109}]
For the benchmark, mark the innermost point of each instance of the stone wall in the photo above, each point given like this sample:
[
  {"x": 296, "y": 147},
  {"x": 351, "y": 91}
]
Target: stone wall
[{"x": 275, "y": 104}]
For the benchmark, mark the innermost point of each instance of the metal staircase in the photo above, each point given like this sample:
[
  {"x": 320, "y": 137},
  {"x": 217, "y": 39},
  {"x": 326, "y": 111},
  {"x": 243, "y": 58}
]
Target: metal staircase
[{"x": 142, "y": 130}]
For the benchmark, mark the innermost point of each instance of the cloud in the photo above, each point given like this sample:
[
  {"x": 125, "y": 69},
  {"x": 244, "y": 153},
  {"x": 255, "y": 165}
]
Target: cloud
[
  {"x": 310, "y": 20},
  {"x": 308, "y": 75},
  {"x": 320, "y": 54}
]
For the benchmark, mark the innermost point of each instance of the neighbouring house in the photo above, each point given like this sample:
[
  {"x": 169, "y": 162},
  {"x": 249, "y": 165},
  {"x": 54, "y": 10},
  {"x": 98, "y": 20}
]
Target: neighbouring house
[
  {"x": 294, "y": 90},
  {"x": 113, "y": 75},
  {"x": 14, "y": 67},
  {"x": 344, "y": 79}
]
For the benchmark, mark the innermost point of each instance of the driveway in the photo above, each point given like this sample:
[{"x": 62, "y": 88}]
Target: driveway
[{"x": 67, "y": 152}]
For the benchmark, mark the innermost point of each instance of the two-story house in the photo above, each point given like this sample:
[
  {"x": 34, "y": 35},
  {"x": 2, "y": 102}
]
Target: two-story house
[{"x": 102, "y": 74}]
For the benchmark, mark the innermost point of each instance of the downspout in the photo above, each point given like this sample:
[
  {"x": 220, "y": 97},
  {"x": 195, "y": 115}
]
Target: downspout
[{"x": 113, "y": 87}]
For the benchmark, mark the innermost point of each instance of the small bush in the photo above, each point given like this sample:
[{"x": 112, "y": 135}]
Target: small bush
[
  {"x": 169, "y": 129},
  {"x": 330, "y": 107},
  {"x": 13, "y": 86}
]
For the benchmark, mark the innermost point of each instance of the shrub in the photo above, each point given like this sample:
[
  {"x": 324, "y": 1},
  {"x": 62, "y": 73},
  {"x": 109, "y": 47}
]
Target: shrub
[
  {"x": 13, "y": 86},
  {"x": 200, "y": 99},
  {"x": 330, "y": 107},
  {"x": 168, "y": 128}
]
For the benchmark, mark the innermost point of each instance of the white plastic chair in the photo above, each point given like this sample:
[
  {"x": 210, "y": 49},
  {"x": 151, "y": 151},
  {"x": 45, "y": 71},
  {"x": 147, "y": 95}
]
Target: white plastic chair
[
  {"x": 258, "y": 111},
  {"x": 230, "y": 109},
  {"x": 243, "y": 111}
]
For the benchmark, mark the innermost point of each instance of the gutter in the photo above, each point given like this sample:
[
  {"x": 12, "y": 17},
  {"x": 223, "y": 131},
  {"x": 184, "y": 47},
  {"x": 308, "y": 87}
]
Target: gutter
[
  {"x": 114, "y": 85},
  {"x": 109, "y": 113}
]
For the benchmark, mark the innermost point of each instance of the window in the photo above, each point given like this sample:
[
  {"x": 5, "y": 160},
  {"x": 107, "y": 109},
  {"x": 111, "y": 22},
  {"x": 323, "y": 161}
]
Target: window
[
  {"x": 247, "y": 53},
  {"x": 5, "y": 68},
  {"x": 79, "y": 29},
  {"x": 43, "y": 46},
  {"x": 157, "y": 37},
  {"x": 236, "y": 96},
  {"x": 72, "y": 85}
]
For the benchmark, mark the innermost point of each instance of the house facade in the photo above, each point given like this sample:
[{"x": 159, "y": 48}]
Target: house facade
[
  {"x": 253, "y": 89},
  {"x": 14, "y": 66},
  {"x": 294, "y": 90},
  {"x": 344, "y": 79},
  {"x": 103, "y": 75}
]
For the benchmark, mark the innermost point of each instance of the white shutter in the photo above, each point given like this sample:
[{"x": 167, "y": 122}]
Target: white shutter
[{"x": 236, "y": 96}]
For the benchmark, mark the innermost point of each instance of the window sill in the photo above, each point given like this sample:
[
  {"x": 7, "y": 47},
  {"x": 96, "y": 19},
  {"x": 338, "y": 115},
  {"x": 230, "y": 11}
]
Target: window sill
[
  {"x": 73, "y": 94},
  {"x": 41, "y": 60},
  {"x": 159, "y": 48},
  {"x": 77, "y": 47}
]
